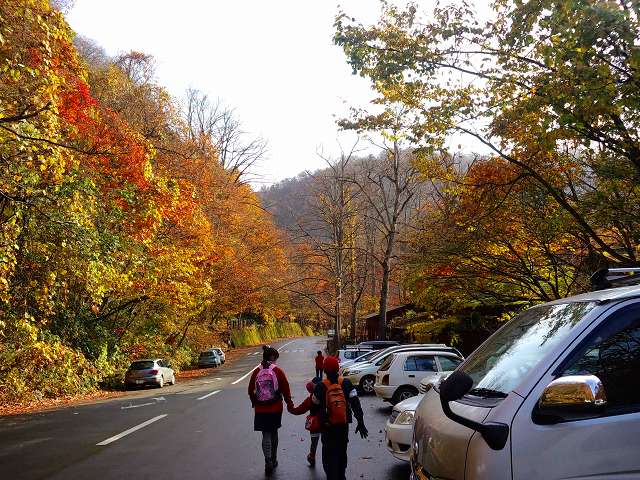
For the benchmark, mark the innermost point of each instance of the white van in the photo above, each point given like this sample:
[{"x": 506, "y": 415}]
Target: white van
[{"x": 553, "y": 394}]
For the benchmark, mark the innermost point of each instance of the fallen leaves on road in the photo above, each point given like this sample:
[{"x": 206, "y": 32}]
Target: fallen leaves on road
[{"x": 53, "y": 403}]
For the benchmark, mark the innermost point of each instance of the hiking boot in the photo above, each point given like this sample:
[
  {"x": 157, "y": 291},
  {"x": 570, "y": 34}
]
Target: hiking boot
[{"x": 312, "y": 460}]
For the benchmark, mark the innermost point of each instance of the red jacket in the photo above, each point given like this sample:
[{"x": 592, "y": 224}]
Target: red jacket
[
  {"x": 304, "y": 407},
  {"x": 319, "y": 361},
  {"x": 283, "y": 388}
]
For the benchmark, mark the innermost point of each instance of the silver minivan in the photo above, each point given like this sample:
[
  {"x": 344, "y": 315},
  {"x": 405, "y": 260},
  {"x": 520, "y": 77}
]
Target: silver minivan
[{"x": 553, "y": 394}]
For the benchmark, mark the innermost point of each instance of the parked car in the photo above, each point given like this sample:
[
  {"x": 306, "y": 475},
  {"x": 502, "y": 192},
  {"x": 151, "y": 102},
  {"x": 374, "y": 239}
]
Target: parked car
[
  {"x": 348, "y": 353},
  {"x": 399, "y": 427},
  {"x": 149, "y": 371},
  {"x": 363, "y": 374},
  {"x": 361, "y": 358},
  {"x": 553, "y": 394},
  {"x": 220, "y": 352},
  {"x": 379, "y": 344},
  {"x": 209, "y": 358},
  {"x": 399, "y": 377}
]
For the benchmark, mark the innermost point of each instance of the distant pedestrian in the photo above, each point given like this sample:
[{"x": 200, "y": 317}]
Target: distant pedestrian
[
  {"x": 319, "y": 363},
  {"x": 312, "y": 423},
  {"x": 338, "y": 402},
  {"x": 267, "y": 388}
]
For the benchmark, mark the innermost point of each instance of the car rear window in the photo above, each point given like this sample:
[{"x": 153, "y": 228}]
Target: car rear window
[
  {"x": 351, "y": 354},
  {"x": 206, "y": 354},
  {"x": 144, "y": 365}
]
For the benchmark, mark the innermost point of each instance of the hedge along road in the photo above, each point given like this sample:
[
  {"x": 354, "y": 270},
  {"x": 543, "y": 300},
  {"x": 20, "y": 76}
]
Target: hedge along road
[{"x": 199, "y": 429}]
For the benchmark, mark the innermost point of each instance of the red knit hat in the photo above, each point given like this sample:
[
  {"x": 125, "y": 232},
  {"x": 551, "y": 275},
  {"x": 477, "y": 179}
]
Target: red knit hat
[{"x": 331, "y": 365}]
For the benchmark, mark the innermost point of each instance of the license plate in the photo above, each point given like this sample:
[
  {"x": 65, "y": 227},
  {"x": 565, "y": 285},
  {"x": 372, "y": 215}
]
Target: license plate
[{"x": 139, "y": 382}]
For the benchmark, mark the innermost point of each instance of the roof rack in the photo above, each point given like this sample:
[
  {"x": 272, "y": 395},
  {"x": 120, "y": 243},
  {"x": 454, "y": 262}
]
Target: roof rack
[{"x": 615, "y": 277}]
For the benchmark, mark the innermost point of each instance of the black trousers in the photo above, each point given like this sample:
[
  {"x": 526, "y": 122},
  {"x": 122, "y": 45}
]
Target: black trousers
[
  {"x": 334, "y": 452},
  {"x": 319, "y": 373}
]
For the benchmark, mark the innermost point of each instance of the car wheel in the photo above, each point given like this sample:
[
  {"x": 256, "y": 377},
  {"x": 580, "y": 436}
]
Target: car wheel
[
  {"x": 173, "y": 379},
  {"x": 403, "y": 393},
  {"x": 366, "y": 384},
  {"x": 161, "y": 382}
]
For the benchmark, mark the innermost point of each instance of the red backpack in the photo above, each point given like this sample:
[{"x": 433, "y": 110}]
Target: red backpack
[{"x": 336, "y": 403}]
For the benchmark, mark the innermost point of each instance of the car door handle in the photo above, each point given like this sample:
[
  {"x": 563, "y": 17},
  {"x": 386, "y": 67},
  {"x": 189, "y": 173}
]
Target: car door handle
[{"x": 412, "y": 376}]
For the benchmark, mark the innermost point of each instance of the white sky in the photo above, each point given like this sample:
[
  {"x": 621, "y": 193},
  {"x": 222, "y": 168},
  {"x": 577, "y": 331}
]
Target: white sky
[{"x": 273, "y": 61}]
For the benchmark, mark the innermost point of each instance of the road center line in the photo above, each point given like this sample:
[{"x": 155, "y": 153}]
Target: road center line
[
  {"x": 209, "y": 394},
  {"x": 288, "y": 343},
  {"x": 131, "y": 430},
  {"x": 251, "y": 371},
  {"x": 244, "y": 376}
]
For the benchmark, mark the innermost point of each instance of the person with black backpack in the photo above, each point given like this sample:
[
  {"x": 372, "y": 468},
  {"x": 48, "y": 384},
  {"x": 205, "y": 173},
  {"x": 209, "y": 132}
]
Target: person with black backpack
[
  {"x": 338, "y": 403},
  {"x": 267, "y": 388}
]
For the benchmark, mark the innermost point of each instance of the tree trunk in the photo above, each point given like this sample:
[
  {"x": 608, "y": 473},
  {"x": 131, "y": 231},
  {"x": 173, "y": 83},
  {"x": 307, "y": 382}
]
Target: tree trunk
[{"x": 384, "y": 293}]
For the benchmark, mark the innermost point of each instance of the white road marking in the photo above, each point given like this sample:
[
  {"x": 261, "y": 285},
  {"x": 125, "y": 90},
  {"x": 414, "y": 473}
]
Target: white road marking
[
  {"x": 137, "y": 406},
  {"x": 244, "y": 376},
  {"x": 251, "y": 371},
  {"x": 159, "y": 399},
  {"x": 249, "y": 354},
  {"x": 255, "y": 353},
  {"x": 131, "y": 430},
  {"x": 288, "y": 343},
  {"x": 218, "y": 378},
  {"x": 209, "y": 394}
]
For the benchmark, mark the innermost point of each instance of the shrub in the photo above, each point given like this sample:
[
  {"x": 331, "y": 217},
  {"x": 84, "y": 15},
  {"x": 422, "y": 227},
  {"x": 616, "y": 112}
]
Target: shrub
[{"x": 255, "y": 335}]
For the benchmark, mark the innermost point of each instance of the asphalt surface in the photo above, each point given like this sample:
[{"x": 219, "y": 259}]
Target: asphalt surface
[{"x": 186, "y": 432}]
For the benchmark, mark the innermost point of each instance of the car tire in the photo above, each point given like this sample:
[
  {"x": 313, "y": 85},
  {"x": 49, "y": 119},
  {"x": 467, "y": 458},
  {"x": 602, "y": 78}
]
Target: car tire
[
  {"x": 402, "y": 394},
  {"x": 161, "y": 382},
  {"x": 173, "y": 379},
  {"x": 366, "y": 384}
]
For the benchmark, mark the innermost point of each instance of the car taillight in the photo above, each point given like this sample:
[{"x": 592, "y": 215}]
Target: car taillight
[
  {"x": 153, "y": 372},
  {"x": 385, "y": 380}
]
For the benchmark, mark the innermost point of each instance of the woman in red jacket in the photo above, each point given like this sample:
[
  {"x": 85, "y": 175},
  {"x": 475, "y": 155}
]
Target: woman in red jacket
[{"x": 267, "y": 388}]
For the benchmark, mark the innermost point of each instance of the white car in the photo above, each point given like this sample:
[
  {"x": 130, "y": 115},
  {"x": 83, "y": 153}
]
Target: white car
[
  {"x": 360, "y": 359},
  {"x": 399, "y": 377},
  {"x": 554, "y": 394},
  {"x": 399, "y": 427},
  {"x": 346, "y": 354},
  {"x": 149, "y": 371},
  {"x": 220, "y": 353},
  {"x": 363, "y": 374}
]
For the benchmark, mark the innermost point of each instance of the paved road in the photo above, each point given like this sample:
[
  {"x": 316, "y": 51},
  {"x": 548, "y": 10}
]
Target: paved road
[{"x": 198, "y": 429}]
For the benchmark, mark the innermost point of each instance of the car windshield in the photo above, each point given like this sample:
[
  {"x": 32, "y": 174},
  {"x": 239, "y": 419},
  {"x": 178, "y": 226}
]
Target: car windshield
[
  {"x": 366, "y": 356},
  {"x": 142, "y": 365},
  {"x": 500, "y": 363}
]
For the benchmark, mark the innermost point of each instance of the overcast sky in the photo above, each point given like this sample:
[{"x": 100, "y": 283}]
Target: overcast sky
[{"x": 273, "y": 61}]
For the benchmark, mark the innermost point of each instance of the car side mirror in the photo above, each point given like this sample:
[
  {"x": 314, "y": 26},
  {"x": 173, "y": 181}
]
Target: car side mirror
[
  {"x": 570, "y": 398},
  {"x": 454, "y": 388}
]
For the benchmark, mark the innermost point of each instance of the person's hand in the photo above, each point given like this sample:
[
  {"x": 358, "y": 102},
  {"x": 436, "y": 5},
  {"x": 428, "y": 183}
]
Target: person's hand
[{"x": 362, "y": 430}]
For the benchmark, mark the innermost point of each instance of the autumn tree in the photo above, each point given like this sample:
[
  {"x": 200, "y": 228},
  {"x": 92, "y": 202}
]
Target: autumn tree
[{"x": 550, "y": 87}]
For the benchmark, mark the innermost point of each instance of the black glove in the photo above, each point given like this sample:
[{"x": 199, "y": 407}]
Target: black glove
[{"x": 362, "y": 430}]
